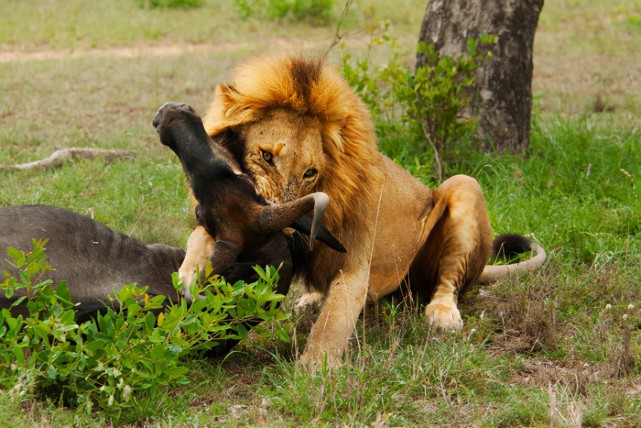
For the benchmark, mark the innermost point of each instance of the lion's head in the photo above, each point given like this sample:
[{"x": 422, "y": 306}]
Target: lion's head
[{"x": 299, "y": 128}]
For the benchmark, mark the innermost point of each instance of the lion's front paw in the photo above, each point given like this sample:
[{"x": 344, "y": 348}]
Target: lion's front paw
[
  {"x": 186, "y": 277},
  {"x": 444, "y": 316},
  {"x": 315, "y": 361}
]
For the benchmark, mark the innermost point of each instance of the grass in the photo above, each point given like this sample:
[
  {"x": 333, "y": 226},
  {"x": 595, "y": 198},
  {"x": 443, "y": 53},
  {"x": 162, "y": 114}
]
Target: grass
[
  {"x": 545, "y": 350},
  {"x": 582, "y": 58}
]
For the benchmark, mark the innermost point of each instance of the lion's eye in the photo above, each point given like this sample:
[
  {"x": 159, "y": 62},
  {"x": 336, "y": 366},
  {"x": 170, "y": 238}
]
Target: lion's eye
[
  {"x": 267, "y": 156},
  {"x": 310, "y": 173}
]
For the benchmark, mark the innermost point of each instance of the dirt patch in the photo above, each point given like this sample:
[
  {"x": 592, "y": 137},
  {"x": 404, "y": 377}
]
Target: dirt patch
[
  {"x": 572, "y": 84},
  {"x": 584, "y": 60},
  {"x": 11, "y": 55},
  {"x": 123, "y": 51},
  {"x": 541, "y": 372},
  {"x": 578, "y": 83}
]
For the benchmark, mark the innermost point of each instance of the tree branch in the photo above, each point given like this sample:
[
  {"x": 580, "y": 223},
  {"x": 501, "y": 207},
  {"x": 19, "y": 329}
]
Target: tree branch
[
  {"x": 338, "y": 36},
  {"x": 59, "y": 157}
]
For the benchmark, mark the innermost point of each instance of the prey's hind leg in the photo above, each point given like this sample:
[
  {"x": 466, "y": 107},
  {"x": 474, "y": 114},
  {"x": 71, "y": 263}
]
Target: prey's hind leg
[{"x": 456, "y": 251}]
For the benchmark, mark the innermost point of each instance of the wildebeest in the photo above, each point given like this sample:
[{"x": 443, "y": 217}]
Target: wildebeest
[
  {"x": 89, "y": 256},
  {"x": 246, "y": 228},
  {"x": 94, "y": 259}
]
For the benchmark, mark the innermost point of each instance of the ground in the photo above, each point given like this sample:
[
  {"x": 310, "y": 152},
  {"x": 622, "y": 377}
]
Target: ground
[{"x": 541, "y": 351}]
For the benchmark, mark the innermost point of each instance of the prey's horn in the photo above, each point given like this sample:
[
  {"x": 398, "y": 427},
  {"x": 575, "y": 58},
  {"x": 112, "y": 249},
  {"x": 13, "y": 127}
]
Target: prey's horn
[
  {"x": 279, "y": 216},
  {"x": 304, "y": 225}
]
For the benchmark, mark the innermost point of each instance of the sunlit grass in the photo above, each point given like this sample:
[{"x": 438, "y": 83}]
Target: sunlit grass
[{"x": 536, "y": 351}]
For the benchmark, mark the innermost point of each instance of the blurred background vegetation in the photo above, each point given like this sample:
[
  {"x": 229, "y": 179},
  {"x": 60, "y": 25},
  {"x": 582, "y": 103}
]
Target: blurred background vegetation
[{"x": 534, "y": 352}]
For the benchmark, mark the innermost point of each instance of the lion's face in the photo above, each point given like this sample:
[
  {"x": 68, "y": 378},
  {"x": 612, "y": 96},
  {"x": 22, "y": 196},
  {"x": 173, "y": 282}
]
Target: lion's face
[
  {"x": 298, "y": 127},
  {"x": 284, "y": 154}
]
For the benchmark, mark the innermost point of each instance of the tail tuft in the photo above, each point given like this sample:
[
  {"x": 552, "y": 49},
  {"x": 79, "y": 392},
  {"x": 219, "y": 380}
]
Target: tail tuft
[{"x": 509, "y": 245}]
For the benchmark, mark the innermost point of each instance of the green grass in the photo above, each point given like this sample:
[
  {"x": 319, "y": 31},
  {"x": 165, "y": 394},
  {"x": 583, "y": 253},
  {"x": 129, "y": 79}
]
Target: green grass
[
  {"x": 536, "y": 352},
  {"x": 79, "y": 24}
]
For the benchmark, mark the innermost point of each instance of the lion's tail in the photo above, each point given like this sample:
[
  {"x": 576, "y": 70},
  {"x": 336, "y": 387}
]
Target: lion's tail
[{"x": 509, "y": 245}]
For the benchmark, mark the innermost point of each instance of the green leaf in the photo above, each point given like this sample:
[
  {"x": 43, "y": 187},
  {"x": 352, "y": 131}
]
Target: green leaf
[
  {"x": 175, "y": 372},
  {"x": 8, "y": 294},
  {"x": 17, "y": 256}
]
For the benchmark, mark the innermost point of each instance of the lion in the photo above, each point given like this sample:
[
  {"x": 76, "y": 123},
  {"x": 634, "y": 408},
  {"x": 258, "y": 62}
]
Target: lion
[{"x": 297, "y": 127}]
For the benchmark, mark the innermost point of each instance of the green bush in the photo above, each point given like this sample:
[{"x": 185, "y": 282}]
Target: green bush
[
  {"x": 170, "y": 4},
  {"x": 431, "y": 99},
  {"x": 314, "y": 11},
  {"x": 126, "y": 361}
]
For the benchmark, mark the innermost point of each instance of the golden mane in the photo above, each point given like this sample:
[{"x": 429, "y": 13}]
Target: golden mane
[{"x": 308, "y": 86}]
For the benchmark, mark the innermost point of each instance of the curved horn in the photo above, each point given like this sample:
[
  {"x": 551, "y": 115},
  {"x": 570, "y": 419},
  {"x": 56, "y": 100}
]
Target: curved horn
[
  {"x": 304, "y": 225},
  {"x": 279, "y": 216},
  {"x": 493, "y": 272}
]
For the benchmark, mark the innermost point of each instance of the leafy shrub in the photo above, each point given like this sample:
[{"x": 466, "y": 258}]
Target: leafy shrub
[
  {"x": 433, "y": 98},
  {"x": 171, "y": 4},
  {"x": 633, "y": 23},
  {"x": 126, "y": 361},
  {"x": 315, "y": 11}
]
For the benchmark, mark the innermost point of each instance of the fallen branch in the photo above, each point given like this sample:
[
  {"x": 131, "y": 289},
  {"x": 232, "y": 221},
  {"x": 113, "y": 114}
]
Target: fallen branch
[{"x": 58, "y": 158}]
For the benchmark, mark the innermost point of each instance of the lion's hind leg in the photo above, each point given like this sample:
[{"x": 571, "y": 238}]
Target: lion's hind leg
[{"x": 455, "y": 251}]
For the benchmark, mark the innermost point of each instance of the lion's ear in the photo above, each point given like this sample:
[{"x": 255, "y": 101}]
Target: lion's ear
[
  {"x": 221, "y": 115},
  {"x": 231, "y": 108},
  {"x": 226, "y": 94}
]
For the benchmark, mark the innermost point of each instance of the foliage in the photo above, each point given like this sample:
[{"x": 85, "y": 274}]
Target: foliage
[
  {"x": 128, "y": 359},
  {"x": 170, "y": 4},
  {"x": 572, "y": 193},
  {"x": 386, "y": 386},
  {"x": 577, "y": 190},
  {"x": 433, "y": 98},
  {"x": 317, "y": 12},
  {"x": 633, "y": 22}
]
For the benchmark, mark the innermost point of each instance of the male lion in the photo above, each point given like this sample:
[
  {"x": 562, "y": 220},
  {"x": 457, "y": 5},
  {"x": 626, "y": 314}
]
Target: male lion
[{"x": 297, "y": 127}]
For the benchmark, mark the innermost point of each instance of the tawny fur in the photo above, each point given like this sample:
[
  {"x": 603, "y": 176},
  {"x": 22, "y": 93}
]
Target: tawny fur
[
  {"x": 312, "y": 89},
  {"x": 299, "y": 128},
  {"x": 308, "y": 87}
]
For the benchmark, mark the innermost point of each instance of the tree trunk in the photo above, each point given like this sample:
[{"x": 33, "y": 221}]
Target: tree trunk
[{"x": 503, "y": 83}]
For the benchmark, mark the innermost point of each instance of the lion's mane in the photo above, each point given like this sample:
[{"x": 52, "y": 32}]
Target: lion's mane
[{"x": 311, "y": 87}]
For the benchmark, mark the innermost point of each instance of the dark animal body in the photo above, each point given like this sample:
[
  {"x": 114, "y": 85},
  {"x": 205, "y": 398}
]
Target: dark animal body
[
  {"x": 247, "y": 229},
  {"x": 92, "y": 258}
]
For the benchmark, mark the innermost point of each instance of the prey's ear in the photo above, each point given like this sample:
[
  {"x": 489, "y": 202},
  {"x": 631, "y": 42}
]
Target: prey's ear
[{"x": 232, "y": 142}]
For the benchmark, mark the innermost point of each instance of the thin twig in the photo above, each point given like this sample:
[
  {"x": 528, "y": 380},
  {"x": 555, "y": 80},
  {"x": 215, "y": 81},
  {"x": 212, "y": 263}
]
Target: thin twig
[
  {"x": 371, "y": 257},
  {"x": 59, "y": 157},
  {"x": 140, "y": 216},
  {"x": 437, "y": 158},
  {"x": 338, "y": 36}
]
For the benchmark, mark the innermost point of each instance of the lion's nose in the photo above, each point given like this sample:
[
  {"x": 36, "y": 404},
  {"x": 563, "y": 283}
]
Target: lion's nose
[{"x": 292, "y": 190}]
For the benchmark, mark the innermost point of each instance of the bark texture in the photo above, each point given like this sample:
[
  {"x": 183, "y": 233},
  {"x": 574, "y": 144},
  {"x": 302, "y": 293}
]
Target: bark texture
[{"x": 503, "y": 101}]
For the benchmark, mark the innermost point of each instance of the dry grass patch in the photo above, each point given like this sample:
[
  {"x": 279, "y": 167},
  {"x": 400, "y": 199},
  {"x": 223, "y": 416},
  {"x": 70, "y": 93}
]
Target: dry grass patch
[{"x": 585, "y": 57}]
